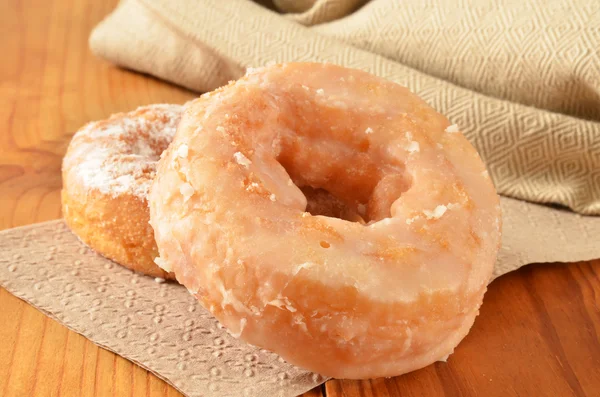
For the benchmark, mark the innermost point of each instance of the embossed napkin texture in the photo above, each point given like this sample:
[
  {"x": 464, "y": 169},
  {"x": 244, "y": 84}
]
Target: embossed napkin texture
[
  {"x": 158, "y": 326},
  {"x": 521, "y": 79}
]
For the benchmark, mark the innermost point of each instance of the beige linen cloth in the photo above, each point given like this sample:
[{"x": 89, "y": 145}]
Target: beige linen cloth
[{"x": 520, "y": 78}]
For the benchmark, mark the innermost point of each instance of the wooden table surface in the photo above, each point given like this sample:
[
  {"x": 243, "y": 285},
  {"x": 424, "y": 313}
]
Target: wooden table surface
[{"x": 537, "y": 335}]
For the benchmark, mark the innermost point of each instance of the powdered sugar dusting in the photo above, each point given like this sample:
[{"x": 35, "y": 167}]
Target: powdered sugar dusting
[{"x": 119, "y": 155}]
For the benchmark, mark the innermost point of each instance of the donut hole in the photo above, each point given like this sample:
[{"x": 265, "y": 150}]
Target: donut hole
[
  {"x": 342, "y": 171},
  {"x": 354, "y": 191},
  {"x": 323, "y": 148},
  {"x": 323, "y": 203},
  {"x": 146, "y": 145}
]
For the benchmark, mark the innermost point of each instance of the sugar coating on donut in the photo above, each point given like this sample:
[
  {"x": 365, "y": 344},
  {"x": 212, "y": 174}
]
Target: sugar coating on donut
[
  {"x": 241, "y": 159},
  {"x": 339, "y": 221},
  {"x": 162, "y": 264},
  {"x": 452, "y": 129},
  {"x": 187, "y": 191},
  {"x": 183, "y": 151},
  {"x": 436, "y": 213},
  {"x": 118, "y": 156}
]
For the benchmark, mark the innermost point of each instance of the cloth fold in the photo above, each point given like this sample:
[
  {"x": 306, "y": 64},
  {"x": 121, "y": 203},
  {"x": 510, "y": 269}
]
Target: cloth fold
[{"x": 492, "y": 62}]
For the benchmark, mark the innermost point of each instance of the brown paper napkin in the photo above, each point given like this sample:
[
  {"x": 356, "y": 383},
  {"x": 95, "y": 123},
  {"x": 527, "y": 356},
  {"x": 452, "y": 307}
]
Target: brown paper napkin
[
  {"x": 158, "y": 326},
  {"x": 163, "y": 328}
]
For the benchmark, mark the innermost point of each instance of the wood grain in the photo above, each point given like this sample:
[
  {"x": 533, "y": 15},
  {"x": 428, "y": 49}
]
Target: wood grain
[{"x": 537, "y": 335}]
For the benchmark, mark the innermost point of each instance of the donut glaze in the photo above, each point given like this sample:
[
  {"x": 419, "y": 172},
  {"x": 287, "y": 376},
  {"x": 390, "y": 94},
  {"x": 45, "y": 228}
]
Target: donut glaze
[
  {"x": 107, "y": 174},
  {"x": 387, "y": 272}
]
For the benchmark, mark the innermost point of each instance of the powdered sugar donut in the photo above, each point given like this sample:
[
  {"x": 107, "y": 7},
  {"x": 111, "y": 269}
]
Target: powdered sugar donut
[
  {"x": 107, "y": 174},
  {"x": 387, "y": 273}
]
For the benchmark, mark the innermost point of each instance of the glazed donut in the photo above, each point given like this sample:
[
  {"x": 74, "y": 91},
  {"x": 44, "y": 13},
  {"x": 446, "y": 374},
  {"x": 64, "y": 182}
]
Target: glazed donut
[
  {"x": 393, "y": 287},
  {"x": 107, "y": 173}
]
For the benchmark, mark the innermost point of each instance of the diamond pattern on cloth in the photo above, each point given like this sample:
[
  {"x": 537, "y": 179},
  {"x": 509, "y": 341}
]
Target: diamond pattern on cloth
[{"x": 521, "y": 79}]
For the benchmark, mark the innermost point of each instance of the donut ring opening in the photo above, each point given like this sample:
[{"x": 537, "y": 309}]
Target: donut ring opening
[
  {"x": 319, "y": 149},
  {"x": 365, "y": 200}
]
